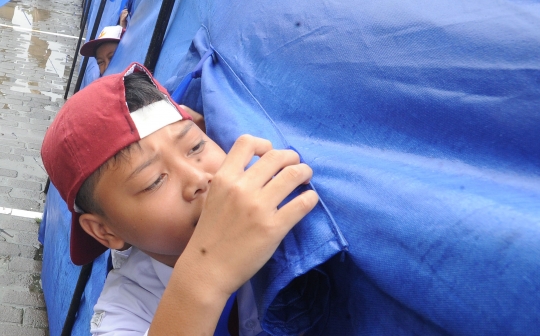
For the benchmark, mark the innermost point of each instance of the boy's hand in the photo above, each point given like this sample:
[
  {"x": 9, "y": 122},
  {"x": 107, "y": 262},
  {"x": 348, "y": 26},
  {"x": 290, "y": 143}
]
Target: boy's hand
[
  {"x": 123, "y": 18},
  {"x": 198, "y": 119},
  {"x": 239, "y": 229},
  {"x": 240, "y": 226}
]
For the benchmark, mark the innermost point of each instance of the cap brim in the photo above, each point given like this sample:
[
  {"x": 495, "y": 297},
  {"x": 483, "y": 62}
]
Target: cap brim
[
  {"x": 89, "y": 48},
  {"x": 83, "y": 248}
]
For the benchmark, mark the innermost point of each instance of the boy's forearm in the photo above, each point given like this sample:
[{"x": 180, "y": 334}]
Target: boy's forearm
[{"x": 191, "y": 303}]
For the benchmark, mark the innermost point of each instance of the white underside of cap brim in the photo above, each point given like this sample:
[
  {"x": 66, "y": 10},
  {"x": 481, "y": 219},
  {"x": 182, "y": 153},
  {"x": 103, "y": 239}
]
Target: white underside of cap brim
[{"x": 154, "y": 117}]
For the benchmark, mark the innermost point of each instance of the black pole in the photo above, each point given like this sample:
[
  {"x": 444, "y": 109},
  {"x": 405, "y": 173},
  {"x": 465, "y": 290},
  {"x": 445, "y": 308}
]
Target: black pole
[
  {"x": 83, "y": 4},
  {"x": 92, "y": 36},
  {"x": 47, "y": 185},
  {"x": 86, "y": 270},
  {"x": 86, "y": 10},
  {"x": 156, "y": 42},
  {"x": 83, "y": 24}
]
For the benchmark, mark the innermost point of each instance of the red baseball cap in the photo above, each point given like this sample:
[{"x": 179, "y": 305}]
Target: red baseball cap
[
  {"x": 91, "y": 127},
  {"x": 108, "y": 34}
]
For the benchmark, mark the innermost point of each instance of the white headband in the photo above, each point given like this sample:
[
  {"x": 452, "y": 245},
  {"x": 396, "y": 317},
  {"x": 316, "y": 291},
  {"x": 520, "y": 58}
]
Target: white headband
[{"x": 154, "y": 117}]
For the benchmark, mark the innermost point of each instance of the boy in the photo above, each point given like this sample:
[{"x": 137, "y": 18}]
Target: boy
[
  {"x": 136, "y": 172},
  {"x": 104, "y": 47}
]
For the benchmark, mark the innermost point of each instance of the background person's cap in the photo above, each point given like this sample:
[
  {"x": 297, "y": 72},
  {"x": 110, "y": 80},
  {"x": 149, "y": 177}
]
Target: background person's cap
[
  {"x": 108, "y": 34},
  {"x": 92, "y": 126}
]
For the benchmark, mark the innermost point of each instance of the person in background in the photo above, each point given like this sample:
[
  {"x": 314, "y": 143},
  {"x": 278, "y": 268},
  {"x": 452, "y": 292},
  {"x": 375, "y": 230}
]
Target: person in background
[{"x": 104, "y": 47}]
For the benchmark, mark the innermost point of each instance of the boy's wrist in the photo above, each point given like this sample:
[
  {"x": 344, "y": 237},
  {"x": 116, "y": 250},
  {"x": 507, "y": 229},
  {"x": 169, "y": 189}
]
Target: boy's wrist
[
  {"x": 193, "y": 300},
  {"x": 204, "y": 275}
]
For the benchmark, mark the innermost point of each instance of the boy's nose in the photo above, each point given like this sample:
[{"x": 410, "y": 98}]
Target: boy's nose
[{"x": 196, "y": 182}]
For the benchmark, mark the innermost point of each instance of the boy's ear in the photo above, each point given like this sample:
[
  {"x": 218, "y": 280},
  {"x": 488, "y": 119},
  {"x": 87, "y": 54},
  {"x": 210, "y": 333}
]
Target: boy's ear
[{"x": 96, "y": 227}]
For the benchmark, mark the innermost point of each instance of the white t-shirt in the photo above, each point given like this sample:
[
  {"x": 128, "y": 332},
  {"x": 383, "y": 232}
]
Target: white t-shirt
[{"x": 132, "y": 293}]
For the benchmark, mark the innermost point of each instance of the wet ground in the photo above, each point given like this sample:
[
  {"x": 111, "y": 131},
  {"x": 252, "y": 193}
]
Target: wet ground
[{"x": 37, "y": 44}]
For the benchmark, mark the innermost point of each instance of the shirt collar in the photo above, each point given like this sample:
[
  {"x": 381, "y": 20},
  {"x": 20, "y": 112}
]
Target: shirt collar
[{"x": 163, "y": 271}]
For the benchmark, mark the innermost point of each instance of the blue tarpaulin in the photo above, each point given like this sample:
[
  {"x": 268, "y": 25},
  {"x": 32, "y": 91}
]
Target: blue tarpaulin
[
  {"x": 420, "y": 121},
  {"x": 59, "y": 275}
]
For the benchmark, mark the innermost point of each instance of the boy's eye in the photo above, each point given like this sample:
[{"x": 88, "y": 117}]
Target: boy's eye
[
  {"x": 198, "y": 148},
  {"x": 157, "y": 183}
]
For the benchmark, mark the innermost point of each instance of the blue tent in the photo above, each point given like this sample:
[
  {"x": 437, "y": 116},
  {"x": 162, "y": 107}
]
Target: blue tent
[{"x": 420, "y": 120}]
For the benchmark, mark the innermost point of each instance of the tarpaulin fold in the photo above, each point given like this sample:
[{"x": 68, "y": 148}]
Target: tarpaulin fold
[
  {"x": 420, "y": 121},
  {"x": 312, "y": 242}
]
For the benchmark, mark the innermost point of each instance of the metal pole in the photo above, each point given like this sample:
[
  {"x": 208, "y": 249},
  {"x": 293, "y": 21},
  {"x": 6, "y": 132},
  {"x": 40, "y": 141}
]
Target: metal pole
[
  {"x": 86, "y": 10},
  {"x": 81, "y": 34},
  {"x": 92, "y": 36},
  {"x": 156, "y": 42},
  {"x": 69, "y": 322}
]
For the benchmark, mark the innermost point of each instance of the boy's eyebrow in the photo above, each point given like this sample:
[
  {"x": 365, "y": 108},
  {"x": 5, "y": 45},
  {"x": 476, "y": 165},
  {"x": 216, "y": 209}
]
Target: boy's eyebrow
[
  {"x": 184, "y": 131},
  {"x": 154, "y": 158},
  {"x": 143, "y": 165}
]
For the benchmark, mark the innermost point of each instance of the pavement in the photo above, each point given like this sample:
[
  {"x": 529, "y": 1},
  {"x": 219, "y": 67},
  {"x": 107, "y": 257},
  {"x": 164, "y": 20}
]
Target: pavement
[{"x": 37, "y": 44}]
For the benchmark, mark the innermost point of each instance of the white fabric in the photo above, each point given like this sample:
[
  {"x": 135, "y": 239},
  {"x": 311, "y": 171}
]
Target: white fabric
[
  {"x": 154, "y": 117},
  {"x": 132, "y": 293},
  {"x": 119, "y": 258}
]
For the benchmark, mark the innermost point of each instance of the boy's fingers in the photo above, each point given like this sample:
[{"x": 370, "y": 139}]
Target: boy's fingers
[
  {"x": 198, "y": 118},
  {"x": 285, "y": 182},
  {"x": 188, "y": 109},
  {"x": 241, "y": 153},
  {"x": 291, "y": 213},
  {"x": 270, "y": 164}
]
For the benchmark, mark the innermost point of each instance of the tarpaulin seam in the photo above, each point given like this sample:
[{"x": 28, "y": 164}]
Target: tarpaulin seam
[{"x": 278, "y": 132}]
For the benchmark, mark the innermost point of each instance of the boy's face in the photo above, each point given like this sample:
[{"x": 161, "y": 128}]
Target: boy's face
[
  {"x": 153, "y": 198},
  {"x": 104, "y": 54}
]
